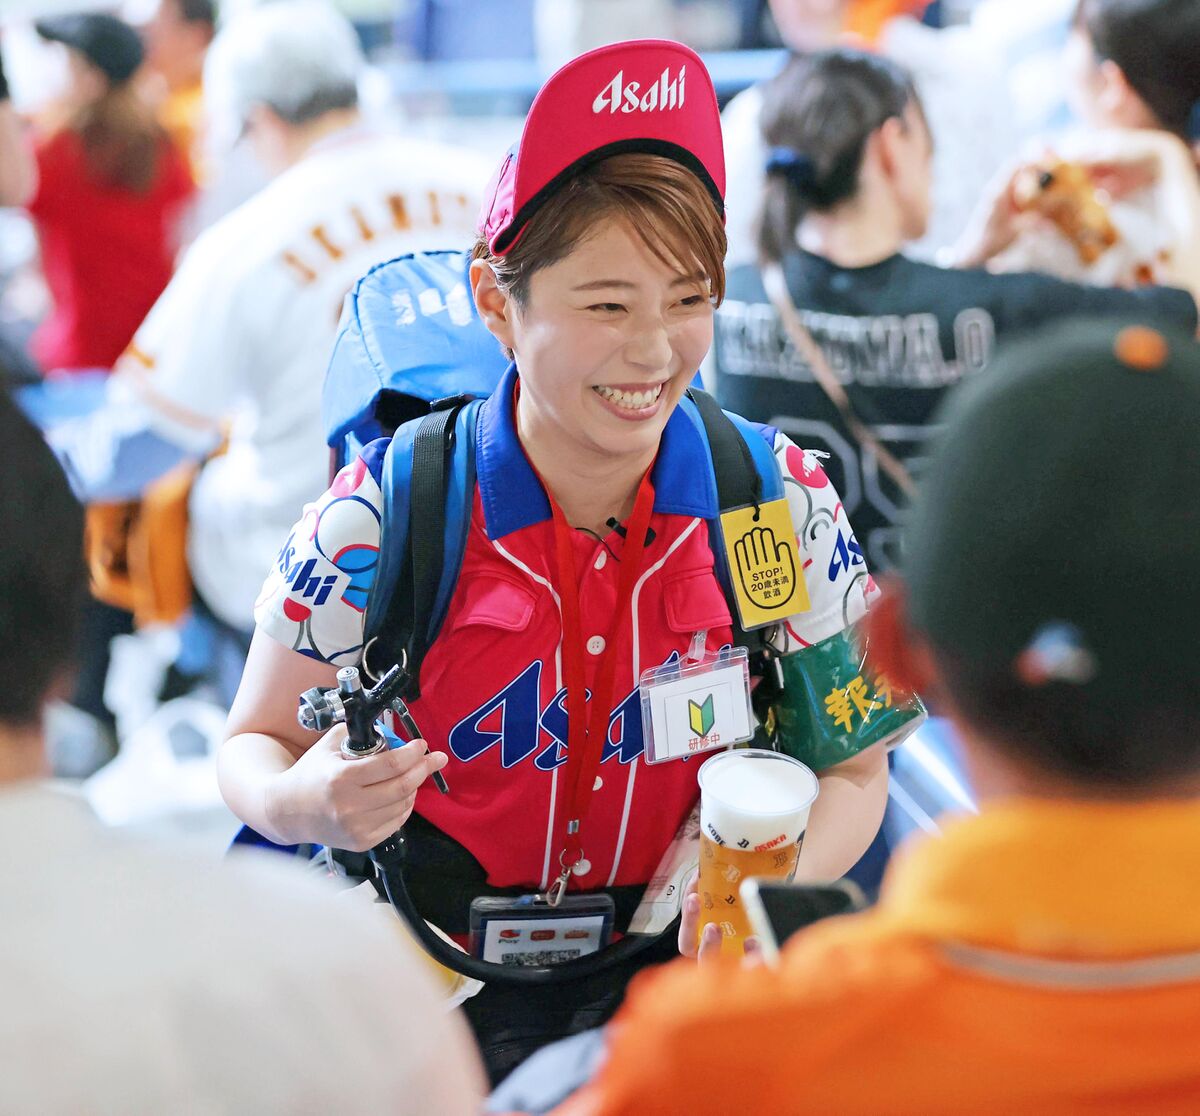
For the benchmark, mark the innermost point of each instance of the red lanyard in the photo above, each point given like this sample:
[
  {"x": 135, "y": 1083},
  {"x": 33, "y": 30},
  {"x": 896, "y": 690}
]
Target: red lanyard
[{"x": 587, "y": 729}]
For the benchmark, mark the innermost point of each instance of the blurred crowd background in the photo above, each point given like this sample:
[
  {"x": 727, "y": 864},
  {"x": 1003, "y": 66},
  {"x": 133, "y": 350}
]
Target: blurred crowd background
[{"x": 999, "y": 88}]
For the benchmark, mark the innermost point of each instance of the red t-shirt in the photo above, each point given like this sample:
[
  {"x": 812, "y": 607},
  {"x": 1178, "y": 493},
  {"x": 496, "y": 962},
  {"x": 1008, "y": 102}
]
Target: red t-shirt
[{"x": 107, "y": 251}]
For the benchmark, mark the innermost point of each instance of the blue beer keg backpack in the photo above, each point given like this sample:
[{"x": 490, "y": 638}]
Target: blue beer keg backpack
[{"x": 409, "y": 335}]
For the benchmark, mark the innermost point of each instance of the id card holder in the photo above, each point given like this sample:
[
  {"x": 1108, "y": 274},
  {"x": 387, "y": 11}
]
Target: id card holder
[
  {"x": 697, "y": 705},
  {"x": 525, "y": 930}
]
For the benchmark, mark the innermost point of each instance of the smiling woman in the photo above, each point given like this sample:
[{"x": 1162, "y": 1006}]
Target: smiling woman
[
  {"x": 608, "y": 336},
  {"x": 591, "y": 559}
]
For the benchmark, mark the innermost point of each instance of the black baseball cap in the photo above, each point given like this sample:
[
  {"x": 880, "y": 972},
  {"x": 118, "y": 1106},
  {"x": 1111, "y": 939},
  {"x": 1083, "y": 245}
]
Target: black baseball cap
[
  {"x": 110, "y": 44},
  {"x": 1056, "y": 536}
]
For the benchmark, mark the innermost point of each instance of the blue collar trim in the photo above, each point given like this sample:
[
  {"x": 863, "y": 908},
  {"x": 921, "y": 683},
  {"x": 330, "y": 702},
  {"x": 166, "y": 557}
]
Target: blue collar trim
[{"x": 513, "y": 497}]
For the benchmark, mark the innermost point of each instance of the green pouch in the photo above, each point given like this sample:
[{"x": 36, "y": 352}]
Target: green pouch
[{"x": 833, "y": 704}]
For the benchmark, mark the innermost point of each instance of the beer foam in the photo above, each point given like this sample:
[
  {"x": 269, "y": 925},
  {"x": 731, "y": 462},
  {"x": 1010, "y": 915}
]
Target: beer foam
[{"x": 755, "y": 799}]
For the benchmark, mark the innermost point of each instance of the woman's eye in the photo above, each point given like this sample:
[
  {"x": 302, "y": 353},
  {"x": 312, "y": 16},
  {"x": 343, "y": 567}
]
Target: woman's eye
[
  {"x": 693, "y": 300},
  {"x": 607, "y": 307}
]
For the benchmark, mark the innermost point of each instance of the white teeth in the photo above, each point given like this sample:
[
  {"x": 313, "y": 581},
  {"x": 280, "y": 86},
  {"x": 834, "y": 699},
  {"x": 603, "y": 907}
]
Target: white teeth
[{"x": 632, "y": 400}]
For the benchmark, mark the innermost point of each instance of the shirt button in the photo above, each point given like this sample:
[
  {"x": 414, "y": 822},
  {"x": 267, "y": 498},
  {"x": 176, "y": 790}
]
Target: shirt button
[
  {"x": 601, "y": 559},
  {"x": 595, "y": 645},
  {"x": 598, "y": 783}
]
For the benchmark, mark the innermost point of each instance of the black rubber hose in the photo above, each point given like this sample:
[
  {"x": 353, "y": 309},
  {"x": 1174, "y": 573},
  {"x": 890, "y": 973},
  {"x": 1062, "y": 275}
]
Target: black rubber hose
[{"x": 591, "y": 965}]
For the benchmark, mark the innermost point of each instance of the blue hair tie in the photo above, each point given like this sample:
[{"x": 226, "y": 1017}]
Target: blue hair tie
[
  {"x": 1193, "y": 124},
  {"x": 799, "y": 169}
]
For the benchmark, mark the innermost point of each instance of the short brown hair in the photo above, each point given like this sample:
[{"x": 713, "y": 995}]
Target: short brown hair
[{"x": 665, "y": 204}]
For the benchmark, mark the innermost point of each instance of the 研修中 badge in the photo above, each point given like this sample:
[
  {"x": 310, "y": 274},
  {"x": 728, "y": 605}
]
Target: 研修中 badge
[{"x": 696, "y": 705}]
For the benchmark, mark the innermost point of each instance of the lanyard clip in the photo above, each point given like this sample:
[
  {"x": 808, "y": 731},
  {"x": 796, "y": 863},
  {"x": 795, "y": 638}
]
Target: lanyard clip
[
  {"x": 558, "y": 889},
  {"x": 554, "y": 896}
]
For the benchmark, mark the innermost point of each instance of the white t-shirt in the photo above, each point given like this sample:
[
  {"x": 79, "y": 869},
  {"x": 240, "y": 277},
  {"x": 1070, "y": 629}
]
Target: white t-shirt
[
  {"x": 239, "y": 342},
  {"x": 144, "y": 980}
]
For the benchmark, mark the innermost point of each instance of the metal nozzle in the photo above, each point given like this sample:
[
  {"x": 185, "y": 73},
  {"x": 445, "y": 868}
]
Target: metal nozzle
[{"x": 319, "y": 710}]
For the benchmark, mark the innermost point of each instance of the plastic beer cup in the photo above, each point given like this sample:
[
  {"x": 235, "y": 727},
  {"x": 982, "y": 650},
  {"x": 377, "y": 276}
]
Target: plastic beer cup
[{"x": 754, "y": 807}]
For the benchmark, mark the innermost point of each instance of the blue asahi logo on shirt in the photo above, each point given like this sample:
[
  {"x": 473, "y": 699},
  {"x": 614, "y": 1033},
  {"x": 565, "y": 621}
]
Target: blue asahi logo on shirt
[
  {"x": 302, "y": 578},
  {"x": 515, "y": 720}
]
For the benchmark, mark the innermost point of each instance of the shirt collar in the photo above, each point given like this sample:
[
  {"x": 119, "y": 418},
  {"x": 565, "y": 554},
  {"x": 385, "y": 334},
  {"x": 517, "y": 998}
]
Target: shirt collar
[
  {"x": 1056, "y": 879},
  {"x": 513, "y": 497}
]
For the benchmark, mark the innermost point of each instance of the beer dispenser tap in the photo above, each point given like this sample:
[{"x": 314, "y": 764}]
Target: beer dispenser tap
[{"x": 321, "y": 708}]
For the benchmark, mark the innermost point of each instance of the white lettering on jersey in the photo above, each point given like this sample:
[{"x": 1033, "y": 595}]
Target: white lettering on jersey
[
  {"x": 663, "y": 94},
  {"x": 887, "y": 351}
]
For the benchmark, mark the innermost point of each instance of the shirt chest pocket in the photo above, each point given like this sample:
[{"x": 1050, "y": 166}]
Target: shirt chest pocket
[
  {"x": 490, "y": 616},
  {"x": 497, "y": 603},
  {"x": 694, "y": 602}
]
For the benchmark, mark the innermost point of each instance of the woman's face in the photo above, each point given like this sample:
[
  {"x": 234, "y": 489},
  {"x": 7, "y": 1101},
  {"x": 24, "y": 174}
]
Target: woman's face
[{"x": 608, "y": 341}]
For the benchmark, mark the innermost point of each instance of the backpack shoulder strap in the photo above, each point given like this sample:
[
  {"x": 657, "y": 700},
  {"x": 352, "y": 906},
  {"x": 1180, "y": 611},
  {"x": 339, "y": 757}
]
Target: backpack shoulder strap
[
  {"x": 746, "y": 473},
  {"x": 743, "y": 461},
  {"x": 737, "y": 477},
  {"x": 428, "y": 492}
]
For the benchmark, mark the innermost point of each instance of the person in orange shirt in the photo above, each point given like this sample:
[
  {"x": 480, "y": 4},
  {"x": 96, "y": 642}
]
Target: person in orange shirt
[{"x": 1043, "y": 956}]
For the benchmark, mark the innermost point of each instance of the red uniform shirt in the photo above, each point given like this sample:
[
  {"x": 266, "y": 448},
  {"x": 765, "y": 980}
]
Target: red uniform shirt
[
  {"x": 107, "y": 251},
  {"x": 492, "y": 691}
]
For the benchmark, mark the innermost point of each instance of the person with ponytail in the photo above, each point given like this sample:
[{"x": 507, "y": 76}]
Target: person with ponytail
[
  {"x": 110, "y": 188},
  {"x": 959, "y": 72},
  {"x": 836, "y": 336}
]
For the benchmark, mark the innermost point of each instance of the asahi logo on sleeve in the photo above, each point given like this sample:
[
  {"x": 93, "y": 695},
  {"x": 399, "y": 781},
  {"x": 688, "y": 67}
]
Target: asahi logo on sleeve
[{"x": 663, "y": 94}]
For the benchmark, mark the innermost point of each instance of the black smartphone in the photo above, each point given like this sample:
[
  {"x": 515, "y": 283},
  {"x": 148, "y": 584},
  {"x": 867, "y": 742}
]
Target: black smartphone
[{"x": 777, "y": 910}]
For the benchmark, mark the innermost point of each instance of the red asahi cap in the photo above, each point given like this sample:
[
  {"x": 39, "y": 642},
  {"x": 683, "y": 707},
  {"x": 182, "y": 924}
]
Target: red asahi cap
[{"x": 650, "y": 95}]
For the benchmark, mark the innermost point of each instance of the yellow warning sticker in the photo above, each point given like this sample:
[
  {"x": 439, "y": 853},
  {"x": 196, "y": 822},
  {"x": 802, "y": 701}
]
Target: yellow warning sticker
[{"x": 768, "y": 582}]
